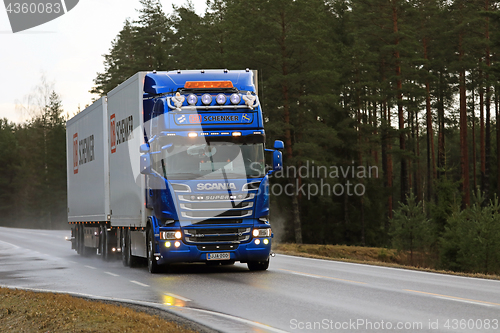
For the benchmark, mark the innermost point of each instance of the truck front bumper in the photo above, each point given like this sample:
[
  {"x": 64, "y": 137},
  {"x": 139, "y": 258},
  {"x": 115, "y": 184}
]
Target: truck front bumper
[{"x": 243, "y": 252}]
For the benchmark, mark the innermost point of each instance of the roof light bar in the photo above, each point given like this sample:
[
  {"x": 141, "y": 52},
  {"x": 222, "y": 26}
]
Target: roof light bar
[{"x": 208, "y": 84}]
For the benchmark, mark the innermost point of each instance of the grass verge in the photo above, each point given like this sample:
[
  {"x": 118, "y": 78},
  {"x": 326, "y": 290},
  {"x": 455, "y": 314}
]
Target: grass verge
[
  {"x": 27, "y": 311},
  {"x": 367, "y": 255}
]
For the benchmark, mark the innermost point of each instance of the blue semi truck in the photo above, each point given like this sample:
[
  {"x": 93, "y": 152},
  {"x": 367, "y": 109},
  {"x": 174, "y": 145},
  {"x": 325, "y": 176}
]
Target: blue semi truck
[{"x": 170, "y": 166}]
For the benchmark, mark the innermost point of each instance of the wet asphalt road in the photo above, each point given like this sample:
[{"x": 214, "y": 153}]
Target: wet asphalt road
[{"x": 294, "y": 295}]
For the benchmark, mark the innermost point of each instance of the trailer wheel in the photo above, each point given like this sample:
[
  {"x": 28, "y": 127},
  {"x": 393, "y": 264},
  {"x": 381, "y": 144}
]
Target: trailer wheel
[
  {"x": 258, "y": 265},
  {"x": 103, "y": 242},
  {"x": 125, "y": 248},
  {"x": 111, "y": 242},
  {"x": 77, "y": 238},
  {"x": 153, "y": 266},
  {"x": 84, "y": 251}
]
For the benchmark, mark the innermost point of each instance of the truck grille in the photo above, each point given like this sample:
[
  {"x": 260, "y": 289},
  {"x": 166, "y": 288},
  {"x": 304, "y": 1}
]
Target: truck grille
[
  {"x": 221, "y": 235},
  {"x": 203, "y": 207},
  {"x": 215, "y": 205},
  {"x": 220, "y": 221},
  {"x": 206, "y": 215},
  {"x": 221, "y": 247}
]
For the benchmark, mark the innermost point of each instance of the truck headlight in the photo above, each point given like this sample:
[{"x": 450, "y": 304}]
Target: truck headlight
[
  {"x": 261, "y": 232},
  {"x": 164, "y": 235}
]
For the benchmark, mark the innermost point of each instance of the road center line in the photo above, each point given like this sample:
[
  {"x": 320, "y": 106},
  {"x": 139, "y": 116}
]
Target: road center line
[
  {"x": 140, "y": 284},
  {"x": 308, "y": 275},
  {"x": 455, "y": 298},
  {"x": 112, "y": 274},
  {"x": 178, "y": 297},
  {"x": 12, "y": 245},
  {"x": 320, "y": 276},
  {"x": 90, "y": 267},
  {"x": 463, "y": 301}
]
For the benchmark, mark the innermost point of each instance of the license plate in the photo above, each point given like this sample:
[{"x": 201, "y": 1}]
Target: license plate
[{"x": 218, "y": 256}]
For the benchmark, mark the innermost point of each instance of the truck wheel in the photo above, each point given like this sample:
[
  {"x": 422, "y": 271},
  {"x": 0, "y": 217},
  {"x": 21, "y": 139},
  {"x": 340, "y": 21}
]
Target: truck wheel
[
  {"x": 153, "y": 266},
  {"x": 258, "y": 265},
  {"x": 132, "y": 261}
]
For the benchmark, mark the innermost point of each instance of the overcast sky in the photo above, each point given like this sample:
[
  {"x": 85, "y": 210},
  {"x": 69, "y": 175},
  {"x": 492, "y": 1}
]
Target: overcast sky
[{"x": 68, "y": 50}]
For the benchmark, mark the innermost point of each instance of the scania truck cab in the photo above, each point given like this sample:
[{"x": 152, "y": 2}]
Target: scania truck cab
[
  {"x": 170, "y": 166},
  {"x": 206, "y": 176}
]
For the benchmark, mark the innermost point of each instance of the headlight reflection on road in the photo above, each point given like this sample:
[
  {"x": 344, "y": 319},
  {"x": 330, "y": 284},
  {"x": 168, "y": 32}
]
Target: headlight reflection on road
[{"x": 173, "y": 301}]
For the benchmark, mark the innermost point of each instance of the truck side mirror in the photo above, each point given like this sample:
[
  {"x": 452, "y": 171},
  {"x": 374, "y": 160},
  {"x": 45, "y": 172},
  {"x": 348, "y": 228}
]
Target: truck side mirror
[
  {"x": 277, "y": 160},
  {"x": 145, "y": 164},
  {"x": 278, "y": 144}
]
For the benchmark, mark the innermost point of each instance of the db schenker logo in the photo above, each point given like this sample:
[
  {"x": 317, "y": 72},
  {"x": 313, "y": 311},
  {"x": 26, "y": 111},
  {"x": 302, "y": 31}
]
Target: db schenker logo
[{"x": 26, "y": 14}]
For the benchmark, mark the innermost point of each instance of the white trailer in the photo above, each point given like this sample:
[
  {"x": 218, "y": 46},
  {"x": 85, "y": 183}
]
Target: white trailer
[{"x": 105, "y": 186}]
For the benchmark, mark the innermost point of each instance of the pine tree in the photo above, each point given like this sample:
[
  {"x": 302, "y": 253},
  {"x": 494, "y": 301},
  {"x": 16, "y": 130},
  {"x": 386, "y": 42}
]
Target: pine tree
[
  {"x": 141, "y": 45},
  {"x": 428, "y": 16},
  {"x": 470, "y": 242},
  {"x": 9, "y": 159},
  {"x": 410, "y": 229},
  {"x": 153, "y": 37},
  {"x": 188, "y": 47},
  {"x": 217, "y": 34},
  {"x": 465, "y": 14},
  {"x": 120, "y": 63},
  {"x": 55, "y": 177}
]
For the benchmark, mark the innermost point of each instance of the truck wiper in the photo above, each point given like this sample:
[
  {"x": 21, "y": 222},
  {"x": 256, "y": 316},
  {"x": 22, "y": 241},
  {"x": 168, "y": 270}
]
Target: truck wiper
[
  {"x": 255, "y": 176},
  {"x": 184, "y": 175},
  {"x": 227, "y": 175}
]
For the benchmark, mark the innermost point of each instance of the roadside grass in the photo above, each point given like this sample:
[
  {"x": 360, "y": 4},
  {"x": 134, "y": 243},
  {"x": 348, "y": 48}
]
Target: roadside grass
[
  {"x": 27, "y": 311},
  {"x": 371, "y": 256}
]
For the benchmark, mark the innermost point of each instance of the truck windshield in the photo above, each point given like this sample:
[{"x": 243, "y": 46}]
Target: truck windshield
[{"x": 213, "y": 160}]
